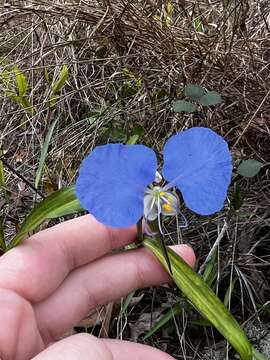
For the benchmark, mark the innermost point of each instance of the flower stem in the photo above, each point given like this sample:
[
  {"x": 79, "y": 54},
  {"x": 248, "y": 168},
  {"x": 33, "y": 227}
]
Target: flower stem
[
  {"x": 155, "y": 227},
  {"x": 139, "y": 239}
]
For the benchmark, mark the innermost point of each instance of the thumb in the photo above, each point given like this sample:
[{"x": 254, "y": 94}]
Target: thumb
[{"x": 85, "y": 347}]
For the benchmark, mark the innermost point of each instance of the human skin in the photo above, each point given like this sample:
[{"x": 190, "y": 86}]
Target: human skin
[{"x": 53, "y": 279}]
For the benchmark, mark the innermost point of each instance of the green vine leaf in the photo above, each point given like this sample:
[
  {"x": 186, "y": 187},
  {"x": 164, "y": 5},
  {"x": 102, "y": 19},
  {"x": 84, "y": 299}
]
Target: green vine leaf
[
  {"x": 249, "y": 168},
  {"x": 183, "y": 105},
  {"x": 194, "y": 92},
  {"x": 211, "y": 98}
]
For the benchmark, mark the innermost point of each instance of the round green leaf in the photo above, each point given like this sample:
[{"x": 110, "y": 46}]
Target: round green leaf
[
  {"x": 182, "y": 105},
  {"x": 249, "y": 168},
  {"x": 194, "y": 92},
  {"x": 211, "y": 98}
]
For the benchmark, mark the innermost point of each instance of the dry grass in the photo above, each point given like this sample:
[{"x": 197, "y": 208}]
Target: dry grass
[{"x": 222, "y": 45}]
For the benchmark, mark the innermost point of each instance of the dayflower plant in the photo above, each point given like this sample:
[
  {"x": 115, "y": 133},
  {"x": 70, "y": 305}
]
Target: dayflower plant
[{"x": 118, "y": 184}]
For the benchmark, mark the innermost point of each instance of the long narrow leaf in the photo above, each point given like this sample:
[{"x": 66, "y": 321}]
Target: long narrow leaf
[
  {"x": 63, "y": 76},
  {"x": 25, "y": 103},
  {"x": 176, "y": 310},
  {"x": 21, "y": 82},
  {"x": 203, "y": 298},
  {"x": 44, "y": 152},
  {"x": 60, "y": 203},
  {"x": 127, "y": 302}
]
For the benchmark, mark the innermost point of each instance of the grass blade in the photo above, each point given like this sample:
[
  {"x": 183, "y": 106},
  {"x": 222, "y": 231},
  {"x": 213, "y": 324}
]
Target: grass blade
[
  {"x": 63, "y": 76},
  {"x": 127, "y": 302},
  {"x": 176, "y": 310},
  {"x": 21, "y": 82},
  {"x": 44, "y": 152}
]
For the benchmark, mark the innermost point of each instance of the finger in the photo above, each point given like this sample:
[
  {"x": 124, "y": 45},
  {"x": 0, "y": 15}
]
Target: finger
[
  {"x": 38, "y": 266},
  {"x": 85, "y": 347},
  {"x": 100, "y": 282},
  {"x": 19, "y": 335},
  {"x": 123, "y": 350}
]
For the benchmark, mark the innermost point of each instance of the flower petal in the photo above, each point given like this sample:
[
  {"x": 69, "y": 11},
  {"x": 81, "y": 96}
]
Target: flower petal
[
  {"x": 150, "y": 207},
  {"x": 198, "y": 162},
  {"x": 112, "y": 180}
]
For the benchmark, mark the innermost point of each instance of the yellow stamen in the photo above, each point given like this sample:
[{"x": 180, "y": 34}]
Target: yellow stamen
[
  {"x": 167, "y": 208},
  {"x": 169, "y": 197}
]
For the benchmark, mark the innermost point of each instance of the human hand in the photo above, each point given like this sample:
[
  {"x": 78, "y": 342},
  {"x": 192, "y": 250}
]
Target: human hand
[{"x": 51, "y": 281}]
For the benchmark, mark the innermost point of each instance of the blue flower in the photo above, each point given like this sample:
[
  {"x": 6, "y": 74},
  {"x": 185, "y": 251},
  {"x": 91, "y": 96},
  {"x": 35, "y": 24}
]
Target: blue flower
[
  {"x": 114, "y": 182},
  {"x": 198, "y": 163}
]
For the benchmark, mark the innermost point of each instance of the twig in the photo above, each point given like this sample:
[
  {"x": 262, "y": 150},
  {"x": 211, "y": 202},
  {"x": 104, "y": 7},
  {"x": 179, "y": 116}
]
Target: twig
[
  {"x": 219, "y": 238},
  {"x": 22, "y": 178}
]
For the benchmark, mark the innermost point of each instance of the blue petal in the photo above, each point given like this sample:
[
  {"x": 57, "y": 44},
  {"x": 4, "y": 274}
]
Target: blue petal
[
  {"x": 199, "y": 164},
  {"x": 112, "y": 180}
]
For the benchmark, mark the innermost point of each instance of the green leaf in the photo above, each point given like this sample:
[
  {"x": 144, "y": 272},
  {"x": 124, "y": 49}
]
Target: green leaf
[
  {"x": 200, "y": 322},
  {"x": 118, "y": 134},
  {"x": 133, "y": 139},
  {"x": 138, "y": 130},
  {"x": 238, "y": 197},
  {"x": 228, "y": 295},
  {"x": 198, "y": 24},
  {"x": 63, "y": 76},
  {"x": 12, "y": 95},
  {"x": 160, "y": 94},
  {"x": 25, "y": 103},
  {"x": 210, "y": 98},
  {"x": 249, "y": 168},
  {"x": 46, "y": 75},
  {"x": 127, "y": 302},
  {"x": 129, "y": 89},
  {"x": 53, "y": 101},
  {"x": 210, "y": 272},
  {"x": 21, "y": 82},
  {"x": 60, "y": 203},
  {"x": 176, "y": 310},
  {"x": 183, "y": 105},
  {"x": 194, "y": 92},
  {"x": 203, "y": 299},
  {"x": 44, "y": 152}
]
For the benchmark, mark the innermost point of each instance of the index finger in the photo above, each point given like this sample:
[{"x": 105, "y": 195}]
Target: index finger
[{"x": 39, "y": 265}]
